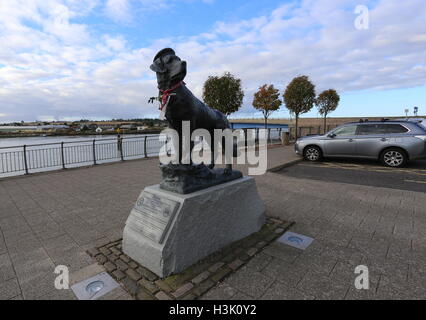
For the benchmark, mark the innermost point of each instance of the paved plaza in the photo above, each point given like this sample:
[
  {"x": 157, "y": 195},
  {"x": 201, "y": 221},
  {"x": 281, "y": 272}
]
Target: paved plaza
[{"x": 51, "y": 219}]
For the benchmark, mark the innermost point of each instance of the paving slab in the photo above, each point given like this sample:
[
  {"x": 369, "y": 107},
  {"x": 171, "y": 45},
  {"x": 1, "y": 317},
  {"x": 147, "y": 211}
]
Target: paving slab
[
  {"x": 350, "y": 223},
  {"x": 9, "y": 289}
]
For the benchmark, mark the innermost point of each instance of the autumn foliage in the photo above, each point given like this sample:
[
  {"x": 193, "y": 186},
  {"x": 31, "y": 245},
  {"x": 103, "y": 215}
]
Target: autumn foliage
[{"x": 267, "y": 100}]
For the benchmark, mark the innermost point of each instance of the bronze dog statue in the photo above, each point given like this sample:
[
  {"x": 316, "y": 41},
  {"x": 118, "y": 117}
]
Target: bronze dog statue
[{"x": 177, "y": 104}]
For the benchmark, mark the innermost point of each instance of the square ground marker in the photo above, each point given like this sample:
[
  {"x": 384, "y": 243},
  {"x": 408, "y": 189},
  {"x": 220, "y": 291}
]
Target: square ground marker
[
  {"x": 94, "y": 287},
  {"x": 295, "y": 240}
]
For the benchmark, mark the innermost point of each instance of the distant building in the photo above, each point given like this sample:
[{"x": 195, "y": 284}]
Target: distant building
[
  {"x": 41, "y": 128},
  {"x": 53, "y": 127},
  {"x": 128, "y": 127},
  {"x": 15, "y": 129},
  {"x": 141, "y": 128},
  {"x": 105, "y": 126}
]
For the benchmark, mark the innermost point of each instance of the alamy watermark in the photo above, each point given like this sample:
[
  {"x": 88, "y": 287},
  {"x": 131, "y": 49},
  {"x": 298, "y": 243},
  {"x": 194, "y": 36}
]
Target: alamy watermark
[
  {"x": 225, "y": 147},
  {"x": 62, "y": 281},
  {"x": 362, "y": 21},
  {"x": 362, "y": 281}
]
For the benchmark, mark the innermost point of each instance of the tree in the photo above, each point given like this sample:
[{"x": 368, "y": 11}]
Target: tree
[
  {"x": 299, "y": 97},
  {"x": 149, "y": 123},
  {"x": 223, "y": 93},
  {"x": 266, "y": 99},
  {"x": 327, "y": 102}
]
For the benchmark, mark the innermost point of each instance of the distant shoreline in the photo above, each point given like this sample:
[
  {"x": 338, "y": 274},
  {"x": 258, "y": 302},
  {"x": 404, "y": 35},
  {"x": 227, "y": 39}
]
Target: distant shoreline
[
  {"x": 31, "y": 135},
  {"x": 315, "y": 122}
]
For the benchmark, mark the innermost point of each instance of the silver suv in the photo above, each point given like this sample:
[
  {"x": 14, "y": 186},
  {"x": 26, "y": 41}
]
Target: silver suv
[{"x": 392, "y": 142}]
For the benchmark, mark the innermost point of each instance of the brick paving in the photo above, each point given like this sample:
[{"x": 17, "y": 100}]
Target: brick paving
[
  {"x": 195, "y": 280},
  {"x": 53, "y": 218},
  {"x": 381, "y": 228}
]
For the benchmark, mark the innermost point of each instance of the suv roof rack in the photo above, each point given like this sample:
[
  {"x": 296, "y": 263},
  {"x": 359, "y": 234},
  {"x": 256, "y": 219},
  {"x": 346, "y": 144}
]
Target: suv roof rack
[
  {"x": 387, "y": 120},
  {"x": 381, "y": 120}
]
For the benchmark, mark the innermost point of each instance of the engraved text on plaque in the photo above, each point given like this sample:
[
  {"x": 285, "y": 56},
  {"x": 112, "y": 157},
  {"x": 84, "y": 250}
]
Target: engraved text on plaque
[{"x": 153, "y": 215}]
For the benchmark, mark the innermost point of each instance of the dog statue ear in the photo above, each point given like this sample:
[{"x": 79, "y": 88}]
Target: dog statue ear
[
  {"x": 183, "y": 73},
  {"x": 180, "y": 74}
]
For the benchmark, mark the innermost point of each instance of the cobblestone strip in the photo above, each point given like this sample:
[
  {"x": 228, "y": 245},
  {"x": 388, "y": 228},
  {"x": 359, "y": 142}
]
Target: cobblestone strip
[{"x": 195, "y": 281}]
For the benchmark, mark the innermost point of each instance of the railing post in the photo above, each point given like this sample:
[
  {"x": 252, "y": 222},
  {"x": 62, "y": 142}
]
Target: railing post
[
  {"x": 269, "y": 135},
  {"x": 144, "y": 148},
  {"x": 120, "y": 141},
  {"x": 285, "y": 138},
  {"x": 94, "y": 151},
  {"x": 62, "y": 155},
  {"x": 25, "y": 159}
]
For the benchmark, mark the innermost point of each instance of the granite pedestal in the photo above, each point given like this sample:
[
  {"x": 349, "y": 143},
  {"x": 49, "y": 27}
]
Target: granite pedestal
[{"x": 167, "y": 232}]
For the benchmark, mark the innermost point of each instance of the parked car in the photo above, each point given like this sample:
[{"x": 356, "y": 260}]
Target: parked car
[{"x": 391, "y": 142}]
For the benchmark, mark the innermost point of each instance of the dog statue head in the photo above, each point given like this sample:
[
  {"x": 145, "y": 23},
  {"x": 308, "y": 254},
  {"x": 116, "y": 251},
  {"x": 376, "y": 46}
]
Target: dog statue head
[{"x": 170, "y": 69}]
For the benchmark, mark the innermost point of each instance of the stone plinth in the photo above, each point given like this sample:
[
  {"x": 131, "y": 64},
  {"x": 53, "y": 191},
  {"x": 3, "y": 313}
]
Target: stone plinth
[{"x": 167, "y": 232}]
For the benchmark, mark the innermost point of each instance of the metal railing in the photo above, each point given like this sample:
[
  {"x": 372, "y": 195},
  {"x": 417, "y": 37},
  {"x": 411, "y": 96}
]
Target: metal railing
[
  {"x": 309, "y": 130},
  {"x": 67, "y": 154}
]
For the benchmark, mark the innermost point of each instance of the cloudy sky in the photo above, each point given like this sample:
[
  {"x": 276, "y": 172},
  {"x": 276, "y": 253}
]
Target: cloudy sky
[{"x": 73, "y": 59}]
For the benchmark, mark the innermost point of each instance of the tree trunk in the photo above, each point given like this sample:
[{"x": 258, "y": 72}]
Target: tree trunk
[
  {"x": 325, "y": 123},
  {"x": 266, "y": 122},
  {"x": 297, "y": 131}
]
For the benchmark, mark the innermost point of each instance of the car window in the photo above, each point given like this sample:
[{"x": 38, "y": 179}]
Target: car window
[
  {"x": 345, "y": 131},
  {"x": 395, "y": 128},
  {"x": 422, "y": 124},
  {"x": 368, "y": 129}
]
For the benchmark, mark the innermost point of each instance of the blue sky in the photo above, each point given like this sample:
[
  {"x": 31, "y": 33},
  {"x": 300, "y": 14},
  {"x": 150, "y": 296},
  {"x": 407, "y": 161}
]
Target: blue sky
[
  {"x": 73, "y": 59},
  {"x": 184, "y": 18}
]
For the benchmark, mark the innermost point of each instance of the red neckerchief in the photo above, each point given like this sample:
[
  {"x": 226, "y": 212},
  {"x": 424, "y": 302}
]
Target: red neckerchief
[{"x": 166, "y": 94}]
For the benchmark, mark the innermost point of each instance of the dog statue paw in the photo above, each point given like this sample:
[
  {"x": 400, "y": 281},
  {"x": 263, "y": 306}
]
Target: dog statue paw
[{"x": 227, "y": 171}]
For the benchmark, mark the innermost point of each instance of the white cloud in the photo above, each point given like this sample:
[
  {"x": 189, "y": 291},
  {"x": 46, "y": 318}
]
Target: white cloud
[
  {"x": 123, "y": 10},
  {"x": 52, "y": 65},
  {"x": 118, "y": 10},
  {"x": 115, "y": 43}
]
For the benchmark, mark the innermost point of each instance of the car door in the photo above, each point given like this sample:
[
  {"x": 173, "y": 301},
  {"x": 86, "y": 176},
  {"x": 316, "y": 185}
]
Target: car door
[
  {"x": 374, "y": 137},
  {"x": 341, "y": 141}
]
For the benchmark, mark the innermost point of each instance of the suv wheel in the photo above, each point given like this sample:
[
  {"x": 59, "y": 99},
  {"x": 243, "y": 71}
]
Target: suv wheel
[
  {"x": 312, "y": 153},
  {"x": 393, "y": 157}
]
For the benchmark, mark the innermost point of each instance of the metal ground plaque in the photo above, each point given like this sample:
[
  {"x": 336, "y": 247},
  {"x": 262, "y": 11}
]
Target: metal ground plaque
[
  {"x": 94, "y": 287},
  {"x": 296, "y": 240},
  {"x": 153, "y": 215}
]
